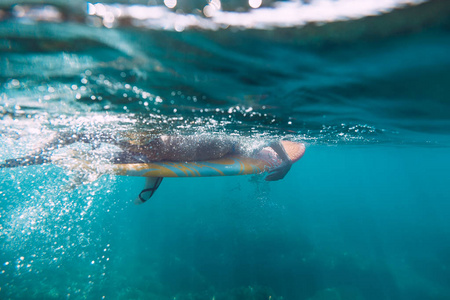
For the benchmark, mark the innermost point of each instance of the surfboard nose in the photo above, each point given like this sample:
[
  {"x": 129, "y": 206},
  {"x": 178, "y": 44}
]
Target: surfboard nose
[{"x": 294, "y": 150}]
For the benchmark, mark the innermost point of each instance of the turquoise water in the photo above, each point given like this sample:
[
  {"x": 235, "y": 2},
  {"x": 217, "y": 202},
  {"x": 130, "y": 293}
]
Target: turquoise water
[{"x": 363, "y": 215}]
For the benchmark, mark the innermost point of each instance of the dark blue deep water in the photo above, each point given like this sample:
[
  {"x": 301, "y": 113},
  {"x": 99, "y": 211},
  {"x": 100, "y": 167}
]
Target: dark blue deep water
[{"x": 364, "y": 215}]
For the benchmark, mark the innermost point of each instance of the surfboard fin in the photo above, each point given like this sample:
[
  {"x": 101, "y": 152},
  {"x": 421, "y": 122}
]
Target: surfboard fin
[{"x": 151, "y": 185}]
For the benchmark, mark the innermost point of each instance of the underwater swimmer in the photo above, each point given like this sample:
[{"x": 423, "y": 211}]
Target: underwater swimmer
[{"x": 147, "y": 148}]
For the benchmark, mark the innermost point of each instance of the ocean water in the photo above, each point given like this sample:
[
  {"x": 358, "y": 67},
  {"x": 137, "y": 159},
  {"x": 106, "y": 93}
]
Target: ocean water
[{"x": 365, "y": 214}]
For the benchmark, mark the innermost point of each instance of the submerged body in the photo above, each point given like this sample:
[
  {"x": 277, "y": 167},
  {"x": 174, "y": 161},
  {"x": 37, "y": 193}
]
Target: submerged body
[{"x": 182, "y": 148}]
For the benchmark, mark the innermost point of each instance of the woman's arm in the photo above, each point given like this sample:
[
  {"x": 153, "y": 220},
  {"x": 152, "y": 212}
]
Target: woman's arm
[{"x": 280, "y": 171}]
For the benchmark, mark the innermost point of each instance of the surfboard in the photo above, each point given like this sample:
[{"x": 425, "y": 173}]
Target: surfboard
[
  {"x": 227, "y": 166},
  {"x": 264, "y": 161}
]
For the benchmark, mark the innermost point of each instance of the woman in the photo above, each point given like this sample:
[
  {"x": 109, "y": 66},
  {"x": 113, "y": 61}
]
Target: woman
[{"x": 145, "y": 148}]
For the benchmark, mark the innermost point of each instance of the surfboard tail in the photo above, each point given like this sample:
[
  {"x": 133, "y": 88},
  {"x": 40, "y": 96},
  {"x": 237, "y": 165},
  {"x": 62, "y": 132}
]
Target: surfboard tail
[{"x": 151, "y": 185}]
